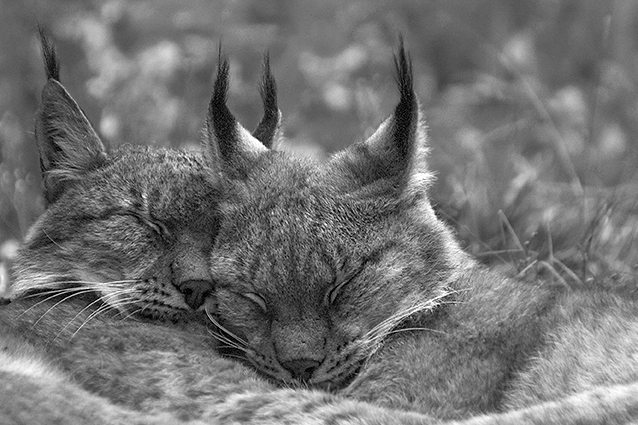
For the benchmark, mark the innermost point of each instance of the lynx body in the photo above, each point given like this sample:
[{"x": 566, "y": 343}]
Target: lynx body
[{"x": 338, "y": 276}]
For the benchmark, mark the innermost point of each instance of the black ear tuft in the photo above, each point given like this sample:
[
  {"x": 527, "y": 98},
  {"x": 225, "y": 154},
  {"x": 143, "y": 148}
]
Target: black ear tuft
[
  {"x": 230, "y": 148},
  {"x": 394, "y": 156},
  {"x": 51, "y": 63},
  {"x": 406, "y": 112},
  {"x": 220, "y": 120},
  {"x": 68, "y": 145},
  {"x": 268, "y": 128}
]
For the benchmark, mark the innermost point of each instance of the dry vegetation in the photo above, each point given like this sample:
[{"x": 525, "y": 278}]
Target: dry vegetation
[{"x": 532, "y": 105}]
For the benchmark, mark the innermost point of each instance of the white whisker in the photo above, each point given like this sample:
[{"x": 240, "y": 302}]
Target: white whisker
[
  {"x": 374, "y": 337},
  {"x": 101, "y": 309},
  {"x": 54, "y": 242},
  {"x": 216, "y": 323},
  {"x": 53, "y": 294},
  {"x": 76, "y": 316},
  {"x": 396, "y": 331},
  {"x": 54, "y": 306},
  {"x": 120, "y": 299},
  {"x": 55, "y": 284},
  {"x": 143, "y": 308},
  {"x": 127, "y": 302},
  {"x": 227, "y": 341}
]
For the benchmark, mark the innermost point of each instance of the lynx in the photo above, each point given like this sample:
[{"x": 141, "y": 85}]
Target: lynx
[
  {"x": 85, "y": 347},
  {"x": 340, "y": 276},
  {"x": 105, "y": 322}
]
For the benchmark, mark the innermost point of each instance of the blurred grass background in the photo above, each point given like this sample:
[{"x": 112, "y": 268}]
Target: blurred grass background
[{"x": 532, "y": 105}]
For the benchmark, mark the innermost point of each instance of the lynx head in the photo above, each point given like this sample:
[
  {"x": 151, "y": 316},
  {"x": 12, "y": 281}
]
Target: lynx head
[
  {"x": 315, "y": 264},
  {"x": 133, "y": 226}
]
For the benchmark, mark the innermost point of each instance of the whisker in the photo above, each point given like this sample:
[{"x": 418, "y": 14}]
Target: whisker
[
  {"x": 76, "y": 316},
  {"x": 94, "y": 287},
  {"x": 100, "y": 310},
  {"x": 143, "y": 309},
  {"x": 68, "y": 293},
  {"x": 396, "y": 331},
  {"x": 55, "y": 294},
  {"x": 216, "y": 323},
  {"x": 119, "y": 297},
  {"x": 53, "y": 291},
  {"x": 133, "y": 312},
  {"x": 240, "y": 343},
  {"x": 123, "y": 300},
  {"x": 83, "y": 284},
  {"x": 121, "y": 304},
  {"x": 373, "y": 339},
  {"x": 54, "y": 242},
  {"x": 54, "y": 306},
  {"x": 106, "y": 306},
  {"x": 48, "y": 292},
  {"x": 227, "y": 341}
]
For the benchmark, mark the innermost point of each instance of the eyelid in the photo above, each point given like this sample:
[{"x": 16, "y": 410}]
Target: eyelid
[
  {"x": 335, "y": 289},
  {"x": 257, "y": 299},
  {"x": 157, "y": 226},
  {"x": 331, "y": 294}
]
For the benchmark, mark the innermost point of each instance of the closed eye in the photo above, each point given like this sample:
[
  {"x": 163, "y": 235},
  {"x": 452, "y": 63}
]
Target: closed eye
[
  {"x": 156, "y": 225},
  {"x": 159, "y": 227},
  {"x": 333, "y": 292},
  {"x": 257, "y": 299}
]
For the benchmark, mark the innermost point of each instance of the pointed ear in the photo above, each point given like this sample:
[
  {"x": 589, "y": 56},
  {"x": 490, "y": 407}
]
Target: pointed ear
[
  {"x": 395, "y": 153},
  {"x": 230, "y": 148},
  {"x": 68, "y": 145},
  {"x": 268, "y": 131}
]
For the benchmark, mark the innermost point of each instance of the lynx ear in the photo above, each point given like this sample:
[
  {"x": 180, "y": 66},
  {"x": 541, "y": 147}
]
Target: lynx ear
[
  {"x": 68, "y": 145},
  {"x": 395, "y": 153},
  {"x": 268, "y": 131},
  {"x": 229, "y": 146}
]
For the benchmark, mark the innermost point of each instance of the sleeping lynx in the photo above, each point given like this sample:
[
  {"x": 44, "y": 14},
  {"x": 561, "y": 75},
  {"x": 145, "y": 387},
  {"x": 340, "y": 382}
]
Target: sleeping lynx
[
  {"x": 340, "y": 276},
  {"x": 126, "y": 234},
  {"x": 68, "y": 356}
]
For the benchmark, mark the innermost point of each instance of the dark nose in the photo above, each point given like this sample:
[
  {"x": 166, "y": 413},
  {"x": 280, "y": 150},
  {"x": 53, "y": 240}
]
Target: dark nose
[
  {"x": 301, "y": 369},
  {"x": 195, "y": 292}
]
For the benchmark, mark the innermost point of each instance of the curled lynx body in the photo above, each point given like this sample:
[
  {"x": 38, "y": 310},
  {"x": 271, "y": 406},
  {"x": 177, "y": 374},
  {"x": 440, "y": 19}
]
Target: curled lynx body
[
  {"x": 340, "y": 276},
  {"x": 452, "y": 340}
]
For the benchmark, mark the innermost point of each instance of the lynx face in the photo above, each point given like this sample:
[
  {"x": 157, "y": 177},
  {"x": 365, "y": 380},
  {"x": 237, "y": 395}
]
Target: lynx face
[
  {"x": 133, "y": 227},
  {"x": 312, "y": 280},
  {"x": 135, "y": 231},
  {"x": 317, "y": 263}
]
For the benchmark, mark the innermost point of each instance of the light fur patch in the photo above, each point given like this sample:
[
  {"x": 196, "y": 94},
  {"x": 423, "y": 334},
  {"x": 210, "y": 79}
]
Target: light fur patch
[{"x": 27, "y": 364}]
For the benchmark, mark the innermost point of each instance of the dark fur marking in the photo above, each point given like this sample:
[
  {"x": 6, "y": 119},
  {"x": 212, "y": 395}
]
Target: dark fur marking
[
  {"x": 405, "y": 111},
  {"x": 267, "y": 128},
  {"x": 51, "y": 63},
  {"x": 69, "y": 146},
  {"x": 220, "y": 120}
]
